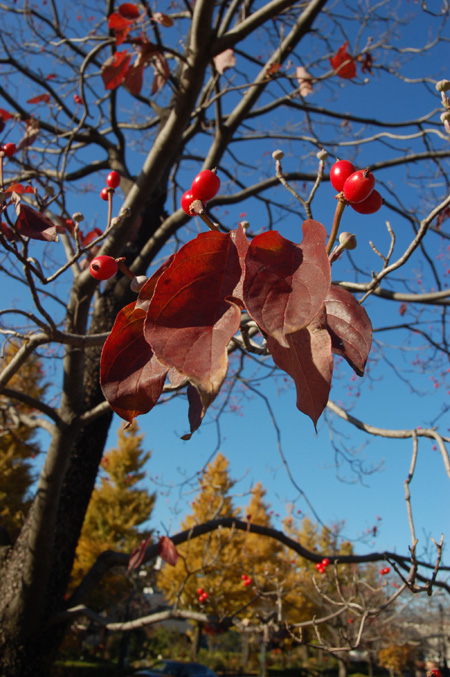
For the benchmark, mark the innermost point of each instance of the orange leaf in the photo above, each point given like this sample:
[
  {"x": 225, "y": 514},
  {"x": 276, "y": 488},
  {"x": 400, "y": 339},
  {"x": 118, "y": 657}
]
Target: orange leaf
[{"x": 19, "y": 189}]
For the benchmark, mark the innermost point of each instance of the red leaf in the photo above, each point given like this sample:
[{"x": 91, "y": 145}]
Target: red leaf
[
  {"x": 131, "y": 377},
  {"x": 19, "y": 189},
  {"x": 343, "y": 63},
  {"x": 5, "y": 115},
  {"x": 190, "y": 319},
  {"x": 114, "y": 69},
  {"x": 31, "y": 223},
  {"x": 308, "y": 360},
  {"x": 162, "y": 72},
  {"x": 138, "y": 554},
  {"x": 89, "y": 237},
  {"x": 285, "y": 284},
  {"x": 134, "y": 77},
  {"x": 349, "y": 326},
  {"x": 120, "y": 26},
  {"x": 167, "y": 551},
  {"x": 129, "y": 11},
  {"x": 39, "y": 99},
  {"x": 8, "y": 232}
]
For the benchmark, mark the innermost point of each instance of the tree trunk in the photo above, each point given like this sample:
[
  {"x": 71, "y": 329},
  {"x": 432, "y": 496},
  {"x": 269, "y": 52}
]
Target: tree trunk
[
  {"x": 27, "y": 645},
  {"x": 195, "y": 647}
]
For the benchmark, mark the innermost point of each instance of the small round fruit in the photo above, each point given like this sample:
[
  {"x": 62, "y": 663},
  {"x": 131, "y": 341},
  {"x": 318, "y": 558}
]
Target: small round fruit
[
  {"x": 205, "y": 185},
  {"x": 186, "y": 200},
  {"x": 9, "y": 149},
  {"x": 359, "y": 185},
  {"x": 104, "y": 194},
  {"x": 370, "y": 205},
  {"x": 339, "y": 174},
  {"x": 103, "y": 267},
  {"x": 325, "y": 562},
  {"x": 113, "y": 179}
]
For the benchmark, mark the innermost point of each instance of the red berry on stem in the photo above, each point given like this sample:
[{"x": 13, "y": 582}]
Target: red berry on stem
[
  {"x": 9, "y": 149},
  {"x": 113, "y": 179},
  {"x": 186, "y": 200},
  {"x": 370, "y": 205},
  {"x": 205, "y": 185},
  {"x": 325, "y": 562},
  {"x": 359, "y": 185},
  {"x": 104, "y": 194},
  {"x": 339, "y": 174},
  {"x": 103, "y": 267}
]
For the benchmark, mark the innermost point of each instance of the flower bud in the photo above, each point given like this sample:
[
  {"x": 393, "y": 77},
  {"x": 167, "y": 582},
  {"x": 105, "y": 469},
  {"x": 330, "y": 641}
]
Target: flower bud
[
  {"x": 443, "y": 85},
  {"x": 278, "y": 155},
  {"x": 347, "y": 240},
  {"x": 78, "y": 217},
  {"x": 322, "y": 154}
]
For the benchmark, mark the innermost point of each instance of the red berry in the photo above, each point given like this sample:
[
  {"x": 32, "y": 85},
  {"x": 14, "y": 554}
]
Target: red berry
[
  {"x": 370, "y": 205},
  {"x": 244, "y": 577},
  {"x": 339, "y": 173},
  {"x": 77, "y": 98},
  {"x": 203, "y": 597},
  {"x": 104, "y": 194},
  {"x": 200, "y": 591},
  {"x": 113, "y": 179},
  {"x": 186, "y": 200},
  {"x": 248, "y": 581},
  {"x": 103, "y": 267},
  {"x": 325, "y": 562},
  {"x": 205, "y": 185},
  {"x": 359, "y": 185},
  {"x": 320, "y": 568},
  {"x": 9, "y": 149}
]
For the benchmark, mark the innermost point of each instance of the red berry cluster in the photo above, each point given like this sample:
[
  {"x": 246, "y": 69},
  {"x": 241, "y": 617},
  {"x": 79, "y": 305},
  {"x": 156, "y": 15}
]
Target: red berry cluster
[
  {"x": 103, "y": 267},
  {"x": 246, "y": 580},
  {"x": 384, "y": 571},
  {"x": 357, "y": 187},
  {"x": 113, "y": 182},
  {"x": 321, "y": 566},
  {"x": 434, "y": 673},
  {"x": 8, "y": 149},
  {"x": 204, "y": 187},
  {"x": 202, "y": 595}
]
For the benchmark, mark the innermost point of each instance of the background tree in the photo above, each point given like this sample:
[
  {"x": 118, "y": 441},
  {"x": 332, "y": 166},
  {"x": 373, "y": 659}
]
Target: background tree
[
  {"x": 216, "y": 76},
  {"x": 118, "y": 508},
  {"x": 18, "y": 445}
]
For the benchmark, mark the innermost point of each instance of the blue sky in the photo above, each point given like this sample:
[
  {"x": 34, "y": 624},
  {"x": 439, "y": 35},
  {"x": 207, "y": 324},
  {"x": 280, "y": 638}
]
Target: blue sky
[{"x": 384, "y": 398}]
